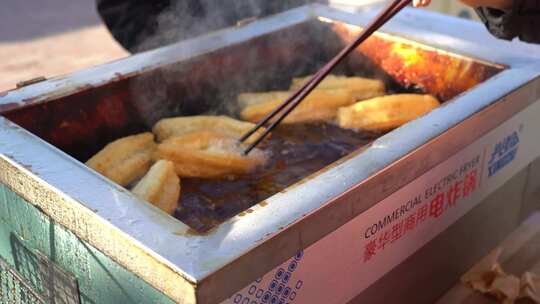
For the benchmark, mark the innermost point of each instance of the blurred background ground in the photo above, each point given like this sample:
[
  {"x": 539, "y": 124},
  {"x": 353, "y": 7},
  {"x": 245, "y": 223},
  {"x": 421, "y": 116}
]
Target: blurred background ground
[{"x": 51, "y": 37}]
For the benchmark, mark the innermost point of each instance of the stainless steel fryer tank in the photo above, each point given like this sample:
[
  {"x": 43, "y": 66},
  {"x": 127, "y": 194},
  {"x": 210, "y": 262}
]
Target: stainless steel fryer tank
[{"x": 387, "y": 216}]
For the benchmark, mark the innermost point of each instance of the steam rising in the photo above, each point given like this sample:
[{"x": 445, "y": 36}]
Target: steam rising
[
  {"x": 191, "y": 18},
  {"x": 210, "y": 85}
]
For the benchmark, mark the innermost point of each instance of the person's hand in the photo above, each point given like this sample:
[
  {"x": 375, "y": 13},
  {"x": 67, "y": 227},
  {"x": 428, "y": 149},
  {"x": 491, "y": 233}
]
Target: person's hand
[
  {"x": 499, "y": 4},
  {"x": 421, "y": 3}
]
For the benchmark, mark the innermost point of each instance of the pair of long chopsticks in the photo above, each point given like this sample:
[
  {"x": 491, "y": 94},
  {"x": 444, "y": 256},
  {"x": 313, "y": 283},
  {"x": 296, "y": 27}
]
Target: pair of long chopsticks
[{"x": 294, "y": 100}]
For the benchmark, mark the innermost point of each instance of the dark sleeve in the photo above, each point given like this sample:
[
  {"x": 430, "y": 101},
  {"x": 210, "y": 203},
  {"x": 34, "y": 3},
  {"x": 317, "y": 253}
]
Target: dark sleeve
[
  {"x": 129, "y": 20},
  {"x": 522, "y": 21},
  {"x": 140, "y": 25}
]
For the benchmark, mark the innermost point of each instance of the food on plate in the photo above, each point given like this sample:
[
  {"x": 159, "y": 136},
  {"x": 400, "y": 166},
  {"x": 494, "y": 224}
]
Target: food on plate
[
  {"x": 385, "y": 113},
  {"x": 160, "y": 186},
  {"x": 505, "y": 288},
  {"x": 173, "y": 127},
  {"x": 483, "y": 274},
  {"x": 126, "y": 159},
  {"x": 361, "y": 88},
  {"x": 208, "y": 154},
  {"x": 319, "y": 105},
  {"x": 530, "y": 287},
  {"x": 488, "y": 277}
]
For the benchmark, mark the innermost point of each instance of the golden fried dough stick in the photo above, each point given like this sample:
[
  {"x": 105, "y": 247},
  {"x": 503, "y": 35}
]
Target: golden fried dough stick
[
  {"x": 361, "y": 88},
  {"x": 208, "y": 154},
  {"x": 172, "y": 127},
  {"x": 160, "y": 186},
  {"x": 125, "y": 159},
  {"x": 319, "y": 105},
  {"x": 385, "y": 113},
  {"x": 249, "y": 99}
]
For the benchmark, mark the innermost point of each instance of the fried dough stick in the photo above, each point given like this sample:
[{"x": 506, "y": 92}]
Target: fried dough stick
[
  {"x": 208, "y": 154},
  {"x": 385, "y": 113},
  {"x": 126, "y": 159},
  {"x": 160, "y": 186},
  {"x": 361, "y": 88},
  {"x": 319, "y": 105},
  {"x": 249, "y": 99},
  {"x": 172, "y": 127}
]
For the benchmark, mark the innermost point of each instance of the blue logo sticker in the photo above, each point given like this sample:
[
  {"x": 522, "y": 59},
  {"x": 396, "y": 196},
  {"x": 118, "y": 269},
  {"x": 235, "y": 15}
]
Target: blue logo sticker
[
  {"x": 252, "y": 289},
  {"x": 293, "y": 295},
  {"x": 503, "y": 154},
  {"x": 278, "y": 291},
  {"x": 266, "y": 297},
  {"x": 292, "y": 266},
  {"x": 286, "y": 292},
  {"x": 286, "y": 277},
  {"x": 280, "y": 273}
]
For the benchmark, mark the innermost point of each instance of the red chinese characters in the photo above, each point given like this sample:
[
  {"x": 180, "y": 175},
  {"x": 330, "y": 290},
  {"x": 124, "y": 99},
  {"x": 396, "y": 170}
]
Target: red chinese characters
[
  {"x": 370, "y": 250},
  {"x": 453, "y": 194},
  {"x": 422, "y": 213},
  {"x": 384, "y": 239},
  {"x": 469, "y": 183},
  {"x": 410, "y": 223},
  {"x": 434, "y": 208},
  {"x": 397, "y": 231}
]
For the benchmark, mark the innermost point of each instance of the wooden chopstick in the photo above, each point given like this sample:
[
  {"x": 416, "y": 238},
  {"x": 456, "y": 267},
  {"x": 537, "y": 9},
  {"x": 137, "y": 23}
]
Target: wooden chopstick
[{"x": 300, "y": 94}]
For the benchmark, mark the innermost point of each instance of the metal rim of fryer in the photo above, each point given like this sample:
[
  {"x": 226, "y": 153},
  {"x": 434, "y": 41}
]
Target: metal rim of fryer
[{"x": 197, "y": 268}]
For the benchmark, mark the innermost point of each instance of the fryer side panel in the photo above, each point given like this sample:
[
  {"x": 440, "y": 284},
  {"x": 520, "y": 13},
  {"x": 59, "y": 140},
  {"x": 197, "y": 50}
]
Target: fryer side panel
[
  {"x": 388, "y": 245},
  {"x": 25, "y": 233},
  {"x": 446, "y": 258}
]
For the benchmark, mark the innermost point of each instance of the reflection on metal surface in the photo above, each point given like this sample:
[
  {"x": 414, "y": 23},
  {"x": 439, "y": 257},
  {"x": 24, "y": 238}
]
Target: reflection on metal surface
[
  {"x": 14, "y": 288},
  {"x": 60, "y": 287},
  {"x": 53, "y": 283},
  {"x": 437, "y": 72},
  {"x": 27, "y": 265}
]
